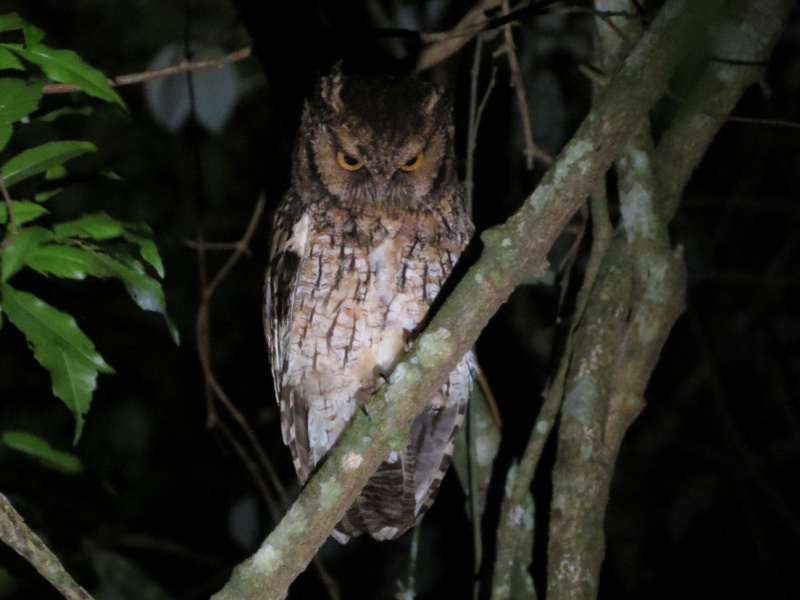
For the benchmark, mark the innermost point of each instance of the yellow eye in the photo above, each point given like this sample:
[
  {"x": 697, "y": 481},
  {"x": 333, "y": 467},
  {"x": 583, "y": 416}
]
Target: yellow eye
[
  {"x": 412, "y": 164},
  {"x": 348, "y": 162}
]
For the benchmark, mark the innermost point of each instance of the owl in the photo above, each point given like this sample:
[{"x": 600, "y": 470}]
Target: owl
[{"x": 363, "y": 241}]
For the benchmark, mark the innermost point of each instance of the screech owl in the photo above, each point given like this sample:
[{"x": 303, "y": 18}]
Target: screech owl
[{"x": 363, "y": 241}]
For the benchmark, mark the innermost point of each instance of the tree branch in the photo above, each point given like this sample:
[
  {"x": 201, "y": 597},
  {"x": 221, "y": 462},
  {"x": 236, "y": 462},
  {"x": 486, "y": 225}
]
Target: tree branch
[
  {"x": 182, "y": 67},
  {"x": 20, "y": 537},
  {"x": 638, "y": 297},
  {"x": 751, "y": 35},
  {"x": 532, "y": 151},
  {"x": 471, "y": 24}
]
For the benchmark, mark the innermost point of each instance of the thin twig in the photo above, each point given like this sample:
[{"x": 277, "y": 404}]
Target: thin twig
[
  {"x": 475, "y": 114},
  {"x": 471, "y": 24},
  {"x": 226, "y": 246},
  {"x": 605, "y": 16},
  {"x": 484, "y": 101},
  {"x": 532, "y": 151},
  {"x": 491, "y": 402},
  {"x": 468, "y": 27},
  {"x": 446, "y": 43},
  {"x": 241, "y": 247},
  {"x": 407, "y": 591},
  {"x": 251, "y": 437},
  {"x": 12, "y": 221},
  {"x": 182, "y": 67},
  {"x": 442, "y": 44},
  {"x": 214, "y": 390},
  {"x": 760, "y": 121},
  {"x": 735, "y": 119},
  {"x": 578, "y": 230},
  {"x": 469, "y": 179},
  {"x": 250, "y": 465},
  {"x": 477, "y": 537}
]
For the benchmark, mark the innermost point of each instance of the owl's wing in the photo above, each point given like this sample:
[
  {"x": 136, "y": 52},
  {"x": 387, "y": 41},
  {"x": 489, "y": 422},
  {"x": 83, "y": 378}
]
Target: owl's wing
[{"x": 288, "y": 250}]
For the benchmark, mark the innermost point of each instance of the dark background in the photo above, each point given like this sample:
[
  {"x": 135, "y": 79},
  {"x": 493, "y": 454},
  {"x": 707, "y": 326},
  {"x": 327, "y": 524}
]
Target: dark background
[{"x": 704, "y": 501}]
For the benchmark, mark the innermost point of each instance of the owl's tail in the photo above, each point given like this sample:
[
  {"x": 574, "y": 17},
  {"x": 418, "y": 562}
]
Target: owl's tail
[{"x": 386, "y": 507}]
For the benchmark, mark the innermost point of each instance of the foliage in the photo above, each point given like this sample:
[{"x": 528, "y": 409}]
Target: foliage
[
  {"x": 39, "y": 450},
  {"x": 93, "y": 245}
]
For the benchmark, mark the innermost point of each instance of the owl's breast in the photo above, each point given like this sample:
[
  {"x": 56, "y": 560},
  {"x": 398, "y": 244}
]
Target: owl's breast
[{"x": 356, "y": 305}]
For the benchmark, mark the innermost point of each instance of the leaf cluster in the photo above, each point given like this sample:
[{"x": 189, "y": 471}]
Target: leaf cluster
[{"x": 96, "y": 245}]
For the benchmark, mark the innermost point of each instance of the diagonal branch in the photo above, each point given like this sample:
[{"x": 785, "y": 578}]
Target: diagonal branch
[
  {"x": 182, "y": 67},
  {"x": 20, "y": 537}
]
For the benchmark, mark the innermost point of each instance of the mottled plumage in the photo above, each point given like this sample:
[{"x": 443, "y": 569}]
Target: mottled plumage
[{"x": 363, "y": 241}]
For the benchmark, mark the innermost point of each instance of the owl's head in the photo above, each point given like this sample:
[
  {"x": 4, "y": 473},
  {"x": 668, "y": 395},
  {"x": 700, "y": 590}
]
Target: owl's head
[{"x": 375, "y": 139}]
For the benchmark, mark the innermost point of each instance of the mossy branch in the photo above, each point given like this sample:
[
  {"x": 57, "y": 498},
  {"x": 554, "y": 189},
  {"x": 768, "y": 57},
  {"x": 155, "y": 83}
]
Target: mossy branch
[
  {"x": 748, "y": 34},
  {"x": 636, "y": 299},
  {"x": 17, "y": 535}
]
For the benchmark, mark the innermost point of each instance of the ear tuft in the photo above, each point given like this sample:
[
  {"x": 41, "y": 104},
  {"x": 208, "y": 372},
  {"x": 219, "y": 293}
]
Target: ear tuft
[
  {"x": 330, "y": 88},
  {"x": 432, "y": 100}
]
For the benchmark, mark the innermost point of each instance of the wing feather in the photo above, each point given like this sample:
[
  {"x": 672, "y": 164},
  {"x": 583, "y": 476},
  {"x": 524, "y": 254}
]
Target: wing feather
[{"x": 288, "y": 250}]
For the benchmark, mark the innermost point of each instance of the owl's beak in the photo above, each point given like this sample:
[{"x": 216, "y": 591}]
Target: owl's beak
[{"x": 381, "y": 184}]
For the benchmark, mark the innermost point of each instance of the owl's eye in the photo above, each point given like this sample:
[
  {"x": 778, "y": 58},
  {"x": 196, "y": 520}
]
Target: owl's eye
[
  {"x": 412, "y": 164},
  {"x": 348, "y": 162}
]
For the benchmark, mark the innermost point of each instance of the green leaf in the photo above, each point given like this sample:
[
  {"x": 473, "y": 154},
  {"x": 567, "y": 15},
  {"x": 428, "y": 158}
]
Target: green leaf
[
  {"x": 139, "y": 234},
  {"x": 38, "y": 449},
  {"x": 111, "y": 175},
  {"x": 47, "y": 194},
  {"x": 125, "y": 580},
  {"x": 37, "y": 160},
  {"x": 26, "y": 241},
  {"x": 60, "y": 347},
  {"x": 33, "y": 35},
  {"x": 124, "y": 253},
  {"x": 96, "y": 226},
  {"x": 9, "y": 60},
  {"x": 114, "y": 261},
  {"x": 145, "y": 291},
  {"x": 18, "y": 99},
  {"x": 24, "y": 211},
  {"x": 10, "y": 22},
  {"x": 57, "y": 172},
  {"x": 83, "y": 111},
  {"x": 5, "y": 134},
  {"x": 66, "y": 261},
  {"x": 65, "y": 66},
  {"x": 8, "y": 583}
]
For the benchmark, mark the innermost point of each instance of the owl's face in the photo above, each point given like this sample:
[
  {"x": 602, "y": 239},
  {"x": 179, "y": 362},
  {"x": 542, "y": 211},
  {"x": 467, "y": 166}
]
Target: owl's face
[{"x": 375, "y": 140}]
